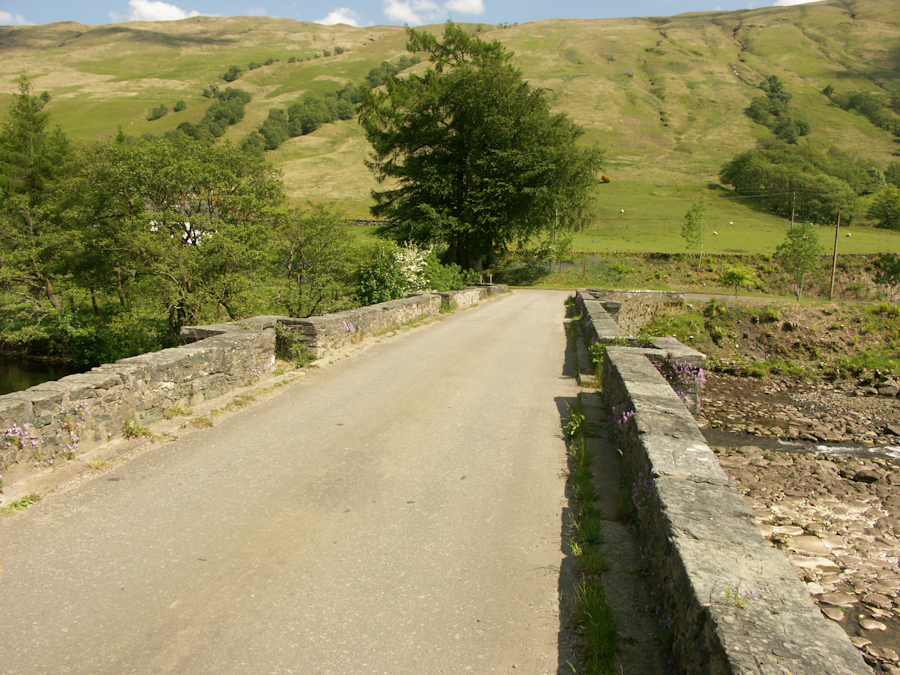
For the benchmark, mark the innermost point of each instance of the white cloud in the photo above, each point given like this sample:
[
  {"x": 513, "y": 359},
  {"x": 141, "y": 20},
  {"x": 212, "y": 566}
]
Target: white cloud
[
  {"x": 788, "y": 3},
  {"x": 155, "y": 10},
  {"x": 413, "y": 12},
  {"x": 466, "y": 6},
  {"x": 341, "y": 15},
  {"x": 256, "y": 11},
  {"x": 7, "y": 19}
]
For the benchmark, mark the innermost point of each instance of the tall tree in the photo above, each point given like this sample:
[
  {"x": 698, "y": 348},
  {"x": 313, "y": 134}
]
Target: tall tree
[
  {"x": 31, "y": 158},
  {"x": 472, "y": 154}
]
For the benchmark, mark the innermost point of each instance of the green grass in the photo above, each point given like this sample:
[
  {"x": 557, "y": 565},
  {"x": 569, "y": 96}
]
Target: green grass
[
  {"x": 600, "y": 637},
  {"x": 178, "y": 411},
  {"x": 133, "y": 429},
  {"x": 591, "y": 612},
  {"x": 653, "y": 217},
  {"x": 21, "y": 504}
]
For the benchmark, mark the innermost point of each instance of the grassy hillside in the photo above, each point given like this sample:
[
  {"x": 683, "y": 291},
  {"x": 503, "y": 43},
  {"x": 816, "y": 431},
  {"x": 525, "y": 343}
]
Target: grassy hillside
[{"x": 663, "y": 96}]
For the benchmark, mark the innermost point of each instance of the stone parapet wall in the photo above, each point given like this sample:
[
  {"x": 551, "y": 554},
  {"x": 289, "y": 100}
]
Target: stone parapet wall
[
  {"x": 332, "y": 331},
  {"x": 637, "y": 307},
  {"x": 471, "y": 296},
  {"x": 599, "y": 325},
  {"x": 702, "y": 540},
  {"x": 75, "y": 412},
  {"x": 45, "y": 423}
]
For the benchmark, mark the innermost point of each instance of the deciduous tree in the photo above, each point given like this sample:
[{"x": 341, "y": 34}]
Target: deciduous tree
[
  {"x": 193, "y": 217},
  {"x": 471, "y": 154},
  {"x": 692, "y": 230},
  {"x": 313, "y": 257},
  {"x": 799, "y": 254},
  {"x": 886, "y": 208}
]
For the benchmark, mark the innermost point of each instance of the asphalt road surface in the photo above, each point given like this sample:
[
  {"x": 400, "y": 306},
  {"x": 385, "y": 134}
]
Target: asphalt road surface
[{"x": 399, "y": 511}]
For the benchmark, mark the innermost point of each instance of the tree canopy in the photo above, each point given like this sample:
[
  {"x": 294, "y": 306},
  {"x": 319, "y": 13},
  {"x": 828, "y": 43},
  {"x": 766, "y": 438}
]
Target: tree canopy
[
  {"x": 815, "y": 184},
  {"x": 471, "y": 154}
]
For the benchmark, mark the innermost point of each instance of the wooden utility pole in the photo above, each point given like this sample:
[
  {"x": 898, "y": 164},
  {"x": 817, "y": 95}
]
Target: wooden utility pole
[
  {"x": 793, "y": 204},
  {"x": 834, "y": 260}
]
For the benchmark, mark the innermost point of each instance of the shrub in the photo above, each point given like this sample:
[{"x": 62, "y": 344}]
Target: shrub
[
  {"x": 233, "y": 73},
  {"x": 159, "y": 111},
  {"x": 380, "y": 276},
  {"x": 180, "y": 105}
]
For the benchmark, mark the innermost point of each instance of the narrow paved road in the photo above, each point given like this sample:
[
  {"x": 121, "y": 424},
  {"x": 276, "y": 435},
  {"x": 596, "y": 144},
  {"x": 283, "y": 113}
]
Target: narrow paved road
[{"x": 396, "y": 512}]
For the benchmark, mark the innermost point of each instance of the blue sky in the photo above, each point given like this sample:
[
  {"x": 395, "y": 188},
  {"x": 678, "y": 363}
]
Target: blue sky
[{"x": 356, "y": 12}]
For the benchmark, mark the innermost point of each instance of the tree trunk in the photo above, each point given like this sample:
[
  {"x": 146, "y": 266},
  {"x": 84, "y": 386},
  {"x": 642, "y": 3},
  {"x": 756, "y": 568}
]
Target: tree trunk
[
  {"x": 51, "y": 296},
  {"x": 119, "y": 287}
]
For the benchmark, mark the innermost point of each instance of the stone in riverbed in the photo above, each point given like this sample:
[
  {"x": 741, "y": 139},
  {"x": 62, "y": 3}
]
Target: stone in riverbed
[
  {"x": 809, "y": 544},
  {"x": 839, "y": 599},
  {"x": 789, "y": 530},
  {"x": 814, "y": 588},
  {"x": 883, "y": 653},
  {"x": 823, "y": 564},
  {"x": 835, "y": 614},
  {"x": 871, "y": 624},
  {"x": 866, "y": 476},
  {"x": 878, "y": 600}
]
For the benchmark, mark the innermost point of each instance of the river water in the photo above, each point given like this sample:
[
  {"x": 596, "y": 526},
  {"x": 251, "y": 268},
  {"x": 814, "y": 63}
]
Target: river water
[
  {"x": 729, "y": 439},
  {"x": 17, "y": 373}
]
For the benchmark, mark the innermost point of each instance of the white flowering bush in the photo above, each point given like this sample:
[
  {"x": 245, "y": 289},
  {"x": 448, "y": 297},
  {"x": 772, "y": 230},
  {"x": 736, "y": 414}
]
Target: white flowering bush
[{"x": 413, "y": 262}]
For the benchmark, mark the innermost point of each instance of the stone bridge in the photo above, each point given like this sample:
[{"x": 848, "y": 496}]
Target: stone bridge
[{"x": 400, "y": 511}]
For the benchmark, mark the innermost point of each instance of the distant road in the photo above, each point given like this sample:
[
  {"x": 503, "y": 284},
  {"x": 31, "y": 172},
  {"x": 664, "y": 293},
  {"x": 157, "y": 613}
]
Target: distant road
[{"x": 396, "y": 512}]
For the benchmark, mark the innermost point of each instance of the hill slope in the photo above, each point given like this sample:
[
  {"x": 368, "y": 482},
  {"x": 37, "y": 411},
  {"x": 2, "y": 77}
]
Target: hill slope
[{"x": 663, "y": 96}]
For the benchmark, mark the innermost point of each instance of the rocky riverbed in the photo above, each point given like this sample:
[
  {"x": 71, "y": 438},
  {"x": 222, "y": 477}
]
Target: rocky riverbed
[{"x": 820, "y": 467}]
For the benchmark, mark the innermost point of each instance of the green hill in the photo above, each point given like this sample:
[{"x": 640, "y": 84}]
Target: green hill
[{"x": 663, "y": 96}]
